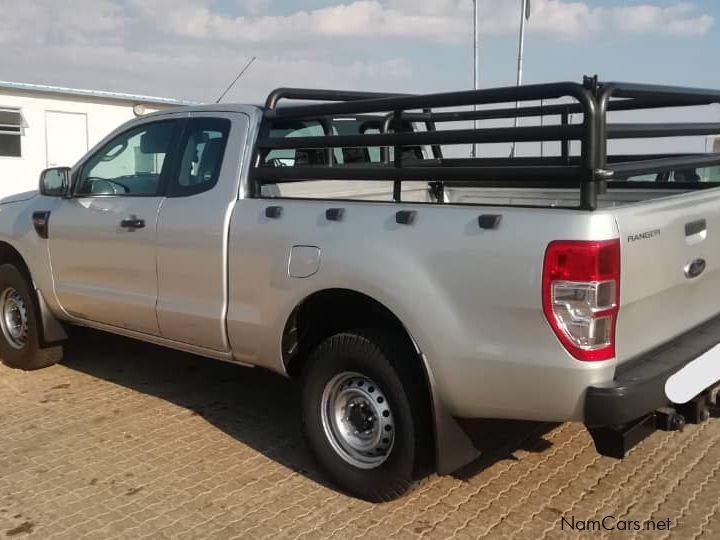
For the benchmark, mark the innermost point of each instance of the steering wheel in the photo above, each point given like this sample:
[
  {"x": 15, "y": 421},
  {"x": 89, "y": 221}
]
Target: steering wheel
[
  {"x": 278, "y": 162},
  {"x": 112, "y": 184}
]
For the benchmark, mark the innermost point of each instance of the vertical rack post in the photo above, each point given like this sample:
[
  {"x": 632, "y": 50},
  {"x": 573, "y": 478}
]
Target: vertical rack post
[
  {"x": 327, "y": 130},
  {"x": 476, "y": 67},
  {"x": 565, "y": 143},
  {"x": 437, "y": 189},
  {"x": 396, "y": 119},
  {"x": 593, "y": 115}
]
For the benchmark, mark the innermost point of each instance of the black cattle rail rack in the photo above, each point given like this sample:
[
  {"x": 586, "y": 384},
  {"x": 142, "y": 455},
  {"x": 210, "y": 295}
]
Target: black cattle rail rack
[{"x": 590, "y": 170}]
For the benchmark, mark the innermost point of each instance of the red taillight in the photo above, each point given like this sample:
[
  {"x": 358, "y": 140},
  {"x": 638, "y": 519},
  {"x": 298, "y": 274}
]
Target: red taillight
[{"x": 581, "y": 295}]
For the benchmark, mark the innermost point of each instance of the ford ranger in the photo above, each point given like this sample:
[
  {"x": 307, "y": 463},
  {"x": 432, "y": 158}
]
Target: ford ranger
[{"x": 348, "y": 244}]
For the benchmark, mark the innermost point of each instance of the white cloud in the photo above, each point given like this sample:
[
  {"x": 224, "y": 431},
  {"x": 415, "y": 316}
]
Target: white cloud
[
  {"x": 103, "y": 44},
  {"x": 190, "y": 73},
  {"x": 439, "y": 20},
  {"x": 254, "y": 6},
  {"x": 680, "y": 19},
  {"x": 49, "y": 21},
  {"x": 187, "y": 48}
]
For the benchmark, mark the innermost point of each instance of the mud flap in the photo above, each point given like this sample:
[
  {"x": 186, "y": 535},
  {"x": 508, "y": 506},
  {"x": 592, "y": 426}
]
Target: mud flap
[
  {"x": 51, "y": 331},
  {"x": 454, "y": 448}
]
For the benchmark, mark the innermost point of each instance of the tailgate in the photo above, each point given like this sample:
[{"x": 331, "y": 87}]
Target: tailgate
[{"x": 670, "y": 269}]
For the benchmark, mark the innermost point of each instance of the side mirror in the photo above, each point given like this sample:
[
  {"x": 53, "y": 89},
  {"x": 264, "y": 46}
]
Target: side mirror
[{"x": 55, "y": 182}]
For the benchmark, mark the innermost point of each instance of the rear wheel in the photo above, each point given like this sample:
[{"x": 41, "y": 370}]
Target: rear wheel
[
  {"x": 357, "y": 391},
  {"x": 20, "y": 345}
]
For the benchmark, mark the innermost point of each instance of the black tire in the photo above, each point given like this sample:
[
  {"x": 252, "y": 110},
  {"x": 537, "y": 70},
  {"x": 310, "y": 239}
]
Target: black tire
[
  {"x": 26, "y": 352},
  {"x": 389, "y": 362}
]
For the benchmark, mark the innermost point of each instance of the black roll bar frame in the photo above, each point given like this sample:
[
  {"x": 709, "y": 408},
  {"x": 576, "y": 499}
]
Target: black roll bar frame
[{"x": 591, "y": 170}]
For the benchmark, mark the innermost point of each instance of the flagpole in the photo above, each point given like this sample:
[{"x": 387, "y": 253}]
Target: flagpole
[
  {"x": 524, "y": 16},
  {"x": 476, "y": 67},
  {"x": 542, "y": 122}
]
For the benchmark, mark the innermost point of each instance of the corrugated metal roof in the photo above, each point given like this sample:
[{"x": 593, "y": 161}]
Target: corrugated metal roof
[{"x": 100, "y": 94}]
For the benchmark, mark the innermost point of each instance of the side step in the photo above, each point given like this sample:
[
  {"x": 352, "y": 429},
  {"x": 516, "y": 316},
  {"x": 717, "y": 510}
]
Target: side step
[{"x": 616, "y": 441}]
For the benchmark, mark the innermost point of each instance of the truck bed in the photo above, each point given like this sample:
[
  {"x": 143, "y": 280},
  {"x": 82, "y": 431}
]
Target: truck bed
[
  {"x": 418, "y": 192},
  {"x": 554, "y": 197}
]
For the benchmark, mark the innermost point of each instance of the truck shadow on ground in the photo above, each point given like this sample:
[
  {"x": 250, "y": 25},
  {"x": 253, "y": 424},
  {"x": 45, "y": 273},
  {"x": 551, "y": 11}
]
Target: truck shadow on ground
[{"x": 254, "y": 406}]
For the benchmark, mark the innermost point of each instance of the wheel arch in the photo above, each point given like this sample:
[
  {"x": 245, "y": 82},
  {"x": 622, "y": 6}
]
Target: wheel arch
[
  {"x": 10, "y": 255},
  {"x": 329, "y": 311},
  {"x": 51, "y": 330}
]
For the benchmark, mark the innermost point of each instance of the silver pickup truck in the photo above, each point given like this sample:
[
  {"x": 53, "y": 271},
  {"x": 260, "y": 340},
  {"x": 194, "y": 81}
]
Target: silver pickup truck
[{"x": 343, "y": 243}]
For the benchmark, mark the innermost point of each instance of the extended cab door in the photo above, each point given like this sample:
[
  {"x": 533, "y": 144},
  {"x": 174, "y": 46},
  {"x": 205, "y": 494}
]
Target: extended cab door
[
  {"x": 193, "y": 224},
  {"x": 102, "y": 240}
]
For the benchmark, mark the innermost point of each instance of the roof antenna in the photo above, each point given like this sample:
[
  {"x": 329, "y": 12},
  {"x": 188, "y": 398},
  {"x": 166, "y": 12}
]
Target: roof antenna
[{"x": 242, "y": 71}]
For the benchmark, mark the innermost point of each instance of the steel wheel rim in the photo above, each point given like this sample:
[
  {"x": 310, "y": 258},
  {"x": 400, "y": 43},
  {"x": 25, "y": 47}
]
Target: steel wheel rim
[
  {"x": 13, "y": 318},
  {"x": 357, "y": 420}
]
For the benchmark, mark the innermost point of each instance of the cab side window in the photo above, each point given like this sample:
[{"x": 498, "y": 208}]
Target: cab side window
[
  {"x": 202, "y": 149},
  {"x": 131, "y": 164}
]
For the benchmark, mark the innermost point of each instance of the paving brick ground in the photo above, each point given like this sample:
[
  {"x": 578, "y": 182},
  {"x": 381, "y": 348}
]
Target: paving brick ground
[{"x": 126, "y": 440}]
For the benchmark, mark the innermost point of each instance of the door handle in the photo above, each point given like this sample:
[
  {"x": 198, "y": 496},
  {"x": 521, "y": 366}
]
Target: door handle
[
  {"x": 132, "y": 222},
  {"x": 695, "y": 227}
]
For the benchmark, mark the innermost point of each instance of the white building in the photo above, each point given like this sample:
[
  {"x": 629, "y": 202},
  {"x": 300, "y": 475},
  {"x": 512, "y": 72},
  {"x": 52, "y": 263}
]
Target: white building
[{"x": 47, "y": 126}]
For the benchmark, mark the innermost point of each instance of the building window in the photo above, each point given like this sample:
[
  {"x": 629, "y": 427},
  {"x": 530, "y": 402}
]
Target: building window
[{"x": 12, "y": 128}]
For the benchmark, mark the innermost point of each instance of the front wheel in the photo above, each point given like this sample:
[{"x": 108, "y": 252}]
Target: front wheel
[
  {"x": 357, "y": 391},
  {"x": 20, "y": 345}
]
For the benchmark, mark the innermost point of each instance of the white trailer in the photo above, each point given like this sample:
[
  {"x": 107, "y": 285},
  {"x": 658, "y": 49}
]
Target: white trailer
[{"x": 48, "y": 126}]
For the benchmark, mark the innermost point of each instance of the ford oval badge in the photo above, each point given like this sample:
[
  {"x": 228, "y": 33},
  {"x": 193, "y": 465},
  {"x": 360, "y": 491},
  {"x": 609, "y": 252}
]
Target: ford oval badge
[{"x": 695, "y": 268}]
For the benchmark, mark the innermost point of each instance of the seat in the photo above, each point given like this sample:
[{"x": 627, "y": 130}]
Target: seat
[
  {"x": 310, "y": 157},
  {"x": 209, "y": 166}
]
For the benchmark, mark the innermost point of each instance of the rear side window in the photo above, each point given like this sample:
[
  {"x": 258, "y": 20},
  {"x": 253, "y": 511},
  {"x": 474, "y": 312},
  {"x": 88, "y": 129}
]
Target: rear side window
[
  {"x": 685, "y": 176},
  {"x": 202, "y": 149},
  {"x": 354, "y": 126},
  {"x": 296, "y": 158},
  {"x": 337, "y": 157},
  {"x": 350, "y": 156}
]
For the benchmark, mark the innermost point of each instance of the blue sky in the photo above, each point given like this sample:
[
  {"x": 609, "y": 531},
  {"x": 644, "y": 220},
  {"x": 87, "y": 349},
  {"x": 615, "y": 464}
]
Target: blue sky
[{"x": 192, "y": 48}]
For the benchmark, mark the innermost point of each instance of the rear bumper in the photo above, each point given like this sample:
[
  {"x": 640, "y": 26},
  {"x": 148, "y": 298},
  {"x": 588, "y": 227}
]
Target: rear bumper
[{"x": 638, "y": 388}]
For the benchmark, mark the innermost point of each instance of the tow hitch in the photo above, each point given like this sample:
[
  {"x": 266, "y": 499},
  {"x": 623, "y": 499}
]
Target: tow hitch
[
  {"x": 616, "y": 441},
  {"x": 714, "y": 401},
  {"x": 669, "y": 419}
]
